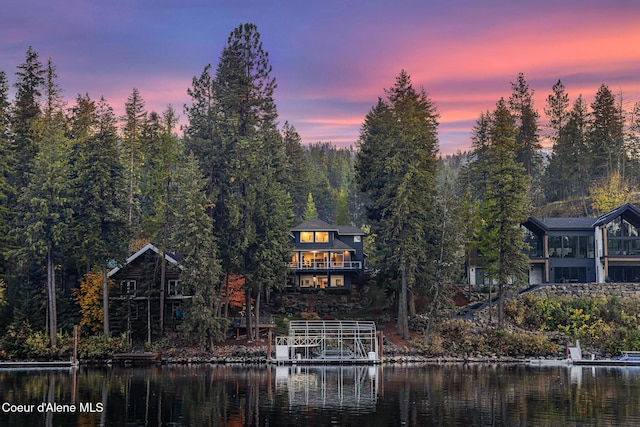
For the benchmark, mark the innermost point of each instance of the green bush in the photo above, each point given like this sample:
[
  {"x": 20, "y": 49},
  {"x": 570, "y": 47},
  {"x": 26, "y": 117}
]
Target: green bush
[
  {"x": 20, "y": 341},
  {"x": 608, "y": 323},
  {"x": 505, "y": 343},
  {"x": 96, "y": 347}
]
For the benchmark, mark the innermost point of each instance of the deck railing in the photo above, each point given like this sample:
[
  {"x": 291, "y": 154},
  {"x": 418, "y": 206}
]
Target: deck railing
[{"x": 323, "y": 265}]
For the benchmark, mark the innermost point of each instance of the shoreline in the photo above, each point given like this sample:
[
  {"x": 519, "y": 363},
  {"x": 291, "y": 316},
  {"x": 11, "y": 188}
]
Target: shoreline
[{"x": 256, "y": 355}]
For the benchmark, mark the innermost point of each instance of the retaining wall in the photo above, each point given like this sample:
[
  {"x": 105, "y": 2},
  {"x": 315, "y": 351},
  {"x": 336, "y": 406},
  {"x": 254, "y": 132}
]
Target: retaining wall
[{"x": 589, "y": 289}]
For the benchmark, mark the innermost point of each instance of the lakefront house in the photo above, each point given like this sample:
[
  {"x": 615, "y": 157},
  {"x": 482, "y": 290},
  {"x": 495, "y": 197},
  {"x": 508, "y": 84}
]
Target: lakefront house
[
  {"x": 136, "y": 295},
  {"x": 579, "y": 250},
  {"x": 325, "y": 256}
]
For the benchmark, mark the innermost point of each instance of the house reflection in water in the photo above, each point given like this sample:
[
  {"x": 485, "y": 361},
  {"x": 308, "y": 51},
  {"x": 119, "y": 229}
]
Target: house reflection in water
[{"x": 330, "y": 386}]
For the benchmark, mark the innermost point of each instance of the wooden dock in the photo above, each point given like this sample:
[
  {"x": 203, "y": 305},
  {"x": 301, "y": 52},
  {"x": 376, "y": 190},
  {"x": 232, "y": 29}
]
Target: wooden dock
[
  {"x": 56, "y": 364},
  {"x": 135, "y": 358}
]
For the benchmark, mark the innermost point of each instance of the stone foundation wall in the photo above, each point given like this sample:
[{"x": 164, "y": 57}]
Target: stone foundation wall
[{"x": 589, "y": 289}]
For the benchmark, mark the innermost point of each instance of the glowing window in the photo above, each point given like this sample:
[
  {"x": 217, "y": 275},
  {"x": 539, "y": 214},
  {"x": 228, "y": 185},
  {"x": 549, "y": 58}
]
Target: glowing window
[
  {"x": 306, "y": 236},
  {"x": 337, "y": 281},
  {"x": 322, "y": 236}
]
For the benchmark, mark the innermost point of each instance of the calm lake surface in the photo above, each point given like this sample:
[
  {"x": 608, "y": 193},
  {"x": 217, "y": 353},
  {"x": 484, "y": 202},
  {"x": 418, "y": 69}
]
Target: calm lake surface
[{"x": 437, "y": 395}]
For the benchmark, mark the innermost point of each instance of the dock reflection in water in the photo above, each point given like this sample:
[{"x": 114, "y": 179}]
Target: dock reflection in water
[{"x": 330, "y": 386}]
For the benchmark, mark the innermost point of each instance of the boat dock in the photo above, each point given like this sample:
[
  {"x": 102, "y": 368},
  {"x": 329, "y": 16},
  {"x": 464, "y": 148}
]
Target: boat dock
[{"x": 329, "y": 342}]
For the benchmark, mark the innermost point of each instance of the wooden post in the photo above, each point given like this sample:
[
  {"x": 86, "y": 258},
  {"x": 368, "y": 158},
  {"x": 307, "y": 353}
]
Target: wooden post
[
  {"x": 269, "y": 345},
  {"x": 381, "y": 345},
  {"x": 75, "y": 345}
]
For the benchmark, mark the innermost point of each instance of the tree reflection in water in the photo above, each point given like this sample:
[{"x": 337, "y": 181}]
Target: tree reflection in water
[{"x": 218, "y": 395}]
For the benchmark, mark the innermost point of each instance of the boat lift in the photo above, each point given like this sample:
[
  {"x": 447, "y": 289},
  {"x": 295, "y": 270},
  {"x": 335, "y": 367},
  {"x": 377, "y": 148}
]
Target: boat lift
[{"x": 329, "y": 341}]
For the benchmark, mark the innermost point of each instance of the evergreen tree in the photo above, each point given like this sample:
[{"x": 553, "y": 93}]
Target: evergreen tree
[
  {"x": 527, "y": 137},
  {"x": 477, "y": 171},
  {"x": 247, "y": 164},
  {"x": 100, "y": 226},
  {"x": 396, "y": 166},
  {"x": 299, "y": 180},
  {"x": 317, "y": 156},
  {"x": 450, "y": 254},
  {"x": 558, "y": 172},
  {"x": 200, "y": 134},
  {"x": 193, "y": 236},
  {"x": 342, "y": 209},
  {"x": 7, "y": 192},
  {"x": 45, "y": 201},
  {"x": 135, "y": 120},
  {"x": 164, "y": 155},
  {"x": 310, "y": 211},
  {"x": 29, "y": 85},
  {"x": 605, "y": 136},
  {"x": 505, "y": 206},
  {"x": 578, "y": 150}
]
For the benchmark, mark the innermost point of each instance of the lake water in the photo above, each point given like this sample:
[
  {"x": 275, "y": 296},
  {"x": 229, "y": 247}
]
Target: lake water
[{"x": 435, "y": 395}]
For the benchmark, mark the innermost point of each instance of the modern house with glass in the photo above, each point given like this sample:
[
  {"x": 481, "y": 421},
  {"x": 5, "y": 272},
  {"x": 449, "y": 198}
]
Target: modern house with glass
[
  {"x": 580, "y": 250},
  {"x": 325, "y": 256}
]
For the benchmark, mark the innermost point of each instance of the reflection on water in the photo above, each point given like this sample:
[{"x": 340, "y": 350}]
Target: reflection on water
[
  {"x": 329, "y": 386},
  {"x": 452, "y": 395}
]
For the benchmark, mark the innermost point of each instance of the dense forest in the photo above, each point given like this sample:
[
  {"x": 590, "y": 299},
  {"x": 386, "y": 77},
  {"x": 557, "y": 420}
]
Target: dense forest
[{"x": 81, "y": 188}]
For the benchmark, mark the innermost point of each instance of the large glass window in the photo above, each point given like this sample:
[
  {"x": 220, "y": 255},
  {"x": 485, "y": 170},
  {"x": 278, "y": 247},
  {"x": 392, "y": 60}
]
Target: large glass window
[
  {"x": 570, "y": 274},
  {"x": 571, "y": 246},
  {"x": 555, "y": 246},
  {"x": 624, "y": 274},
  {"x": 314, "y": 259},
  {"x": 306, "y": 236},
  {"x": 534, "y": 243},
  {"x": 623, "y": 238},
  {"x": 622, "y": 228},
  {"x": 337, "y": 259},
  {"x": 322, "y": 236}
]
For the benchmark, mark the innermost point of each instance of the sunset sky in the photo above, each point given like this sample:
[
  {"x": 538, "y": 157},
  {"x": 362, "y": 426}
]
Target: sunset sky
[{"x": 332, "y": 59}]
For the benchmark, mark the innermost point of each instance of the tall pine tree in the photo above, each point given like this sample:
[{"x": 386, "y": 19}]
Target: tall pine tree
[
  {"x": 100, "y": 226},
  {"x": 244, "y": 158},
  {"x": 505, "y": 205},
  {"x": 45, "y": 201},
  {"x": 396, "y": 168}
]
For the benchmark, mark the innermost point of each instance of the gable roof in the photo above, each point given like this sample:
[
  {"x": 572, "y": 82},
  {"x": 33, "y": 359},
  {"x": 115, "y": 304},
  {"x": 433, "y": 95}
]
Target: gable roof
[
  {"x": 627, "y": 211},
  {"x": 316, "y": 224},
  {"x": 170, "y": 258}
]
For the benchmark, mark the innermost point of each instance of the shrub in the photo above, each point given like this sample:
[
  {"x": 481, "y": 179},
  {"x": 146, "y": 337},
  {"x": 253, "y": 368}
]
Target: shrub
[
  {"x": 96, "y": 347},
  {"x": 505, "y": 343}
]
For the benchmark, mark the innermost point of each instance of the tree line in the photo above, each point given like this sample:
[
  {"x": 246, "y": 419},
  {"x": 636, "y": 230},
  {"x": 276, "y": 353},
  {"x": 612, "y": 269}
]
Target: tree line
[
  {"x": 427, "y": 212},
  {"x": 81, "y": 188}
]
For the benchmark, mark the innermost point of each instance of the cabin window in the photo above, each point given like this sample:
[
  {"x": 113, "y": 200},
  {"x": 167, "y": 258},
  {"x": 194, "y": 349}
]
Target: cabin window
[
  {"x": 175, "y": 288},
  {"x": 127, "y": 287}
]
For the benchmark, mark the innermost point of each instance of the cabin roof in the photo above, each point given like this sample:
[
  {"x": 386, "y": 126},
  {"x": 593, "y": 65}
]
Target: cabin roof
[{"x": 149, "y": 247}]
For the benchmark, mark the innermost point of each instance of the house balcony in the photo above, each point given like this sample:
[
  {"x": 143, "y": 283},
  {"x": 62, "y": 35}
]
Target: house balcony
[{"x": 323, "y": 265}]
